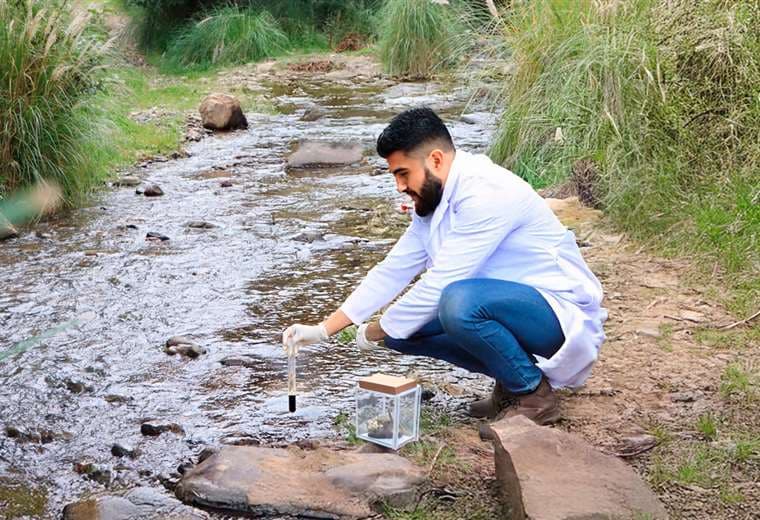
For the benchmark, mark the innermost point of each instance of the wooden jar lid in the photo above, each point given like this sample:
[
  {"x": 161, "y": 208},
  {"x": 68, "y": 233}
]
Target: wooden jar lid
[{"x": 387, "y": 384}]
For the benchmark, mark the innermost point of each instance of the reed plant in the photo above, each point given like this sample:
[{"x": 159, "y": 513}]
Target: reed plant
[
  {"x": 48, "y": 77},
  {"x": 227, "y": 35},
  {"x": 656, "y": 103},
  {"x": 416, "y": 37}
]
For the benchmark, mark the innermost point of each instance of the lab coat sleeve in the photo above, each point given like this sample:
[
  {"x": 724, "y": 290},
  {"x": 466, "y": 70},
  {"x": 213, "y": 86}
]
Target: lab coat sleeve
[
  {"x": 388, "y": 278},
  {"x": 479, "y": 226}
]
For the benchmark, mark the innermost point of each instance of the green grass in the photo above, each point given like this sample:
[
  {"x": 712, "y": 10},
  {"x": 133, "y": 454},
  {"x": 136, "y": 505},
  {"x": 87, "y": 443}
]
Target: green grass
[
  {"x": 660, "y": 99},
  {"x": 50, "y": 129},
  {"x": 346, "y": 426},
  {"x": 707, "y": 425},
  {"x": 737, "y": 381},
  {"x": 416, "y": 37},
  {"x": 227, "y": 35},
  {"x": 347, "y": 335}
]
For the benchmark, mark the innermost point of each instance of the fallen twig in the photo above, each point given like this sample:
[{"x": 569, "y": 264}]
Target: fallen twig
[
  {"x": 435, "y": 459},
  {"x": 741, "y": 322}
]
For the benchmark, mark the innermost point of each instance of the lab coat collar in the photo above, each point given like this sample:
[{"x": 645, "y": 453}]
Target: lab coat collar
[{"x": 448, "y": 189}]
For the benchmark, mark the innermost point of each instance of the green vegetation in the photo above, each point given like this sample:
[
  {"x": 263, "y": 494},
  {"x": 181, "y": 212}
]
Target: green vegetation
[
  {"x": 658, "y": 115},
  {"x": 738, "y": 382},
  {"x": 48, "y": 79},
  {"x": 182, "y": 33},
  {"x": 17, "y": 501},
  {"x": 416, "y": 37},
  {"x": 347, "y": 335},
  {"x": 346, "y": 426},
  {"x": 227, "y": 35},
  {"x": 707, "y": 426}
]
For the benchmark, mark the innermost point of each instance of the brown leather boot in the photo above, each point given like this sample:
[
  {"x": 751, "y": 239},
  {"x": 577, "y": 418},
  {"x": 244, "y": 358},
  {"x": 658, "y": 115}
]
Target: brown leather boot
[
  {"x": 541, "y": 405},
  {"x": 492, "y": 405}
]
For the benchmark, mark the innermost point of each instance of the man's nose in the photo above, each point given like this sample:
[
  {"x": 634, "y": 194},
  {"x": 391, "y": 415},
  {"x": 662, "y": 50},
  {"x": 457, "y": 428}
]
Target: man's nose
[{"x": 400, "y": 185}]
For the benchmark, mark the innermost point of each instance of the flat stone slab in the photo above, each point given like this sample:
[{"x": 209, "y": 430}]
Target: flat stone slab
[
  {"x": 548, "y": 474},
  {"x": 316, "y": 154},
  {"x": 138, "y": 504},
  {"x": 318, "y": 483}
]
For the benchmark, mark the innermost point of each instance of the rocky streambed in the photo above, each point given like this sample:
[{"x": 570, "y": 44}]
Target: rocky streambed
[{"x": 224, "y": 246}]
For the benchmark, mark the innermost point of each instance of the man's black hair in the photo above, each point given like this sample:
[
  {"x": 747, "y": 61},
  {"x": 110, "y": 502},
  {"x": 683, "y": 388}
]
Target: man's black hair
[{"x": 411, "y": 129}]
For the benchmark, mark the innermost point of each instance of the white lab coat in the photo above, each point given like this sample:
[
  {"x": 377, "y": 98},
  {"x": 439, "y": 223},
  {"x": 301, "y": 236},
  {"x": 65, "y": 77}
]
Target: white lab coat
[{"x": 489, "y": 224}]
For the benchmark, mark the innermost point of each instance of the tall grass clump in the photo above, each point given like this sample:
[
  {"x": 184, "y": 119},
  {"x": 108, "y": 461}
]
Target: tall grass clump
[
  {"x": 48, "y": 77},
  {"x": 415, "y": 37},
  {"x": 651, "y": 107},
  {"x": 227, "y": 35}
]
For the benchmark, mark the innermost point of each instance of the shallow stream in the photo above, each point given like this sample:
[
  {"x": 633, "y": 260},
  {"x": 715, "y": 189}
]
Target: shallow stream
[{"x": 288, "y": 247}]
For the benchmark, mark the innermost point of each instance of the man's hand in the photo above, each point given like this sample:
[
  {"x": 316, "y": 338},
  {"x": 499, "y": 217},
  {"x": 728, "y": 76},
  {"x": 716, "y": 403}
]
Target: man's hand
[
  {"x": 368, "y": 335},
  {"x": 297, "y": 336}
]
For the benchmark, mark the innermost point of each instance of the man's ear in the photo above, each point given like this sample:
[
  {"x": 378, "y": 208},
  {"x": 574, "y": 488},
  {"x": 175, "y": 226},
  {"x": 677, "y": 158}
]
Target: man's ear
[{"x": 436, "y": 158}]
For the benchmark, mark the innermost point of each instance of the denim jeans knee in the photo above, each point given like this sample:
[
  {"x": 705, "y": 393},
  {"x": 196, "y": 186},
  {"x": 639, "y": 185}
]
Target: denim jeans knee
[{"x": 458, "y": 301}]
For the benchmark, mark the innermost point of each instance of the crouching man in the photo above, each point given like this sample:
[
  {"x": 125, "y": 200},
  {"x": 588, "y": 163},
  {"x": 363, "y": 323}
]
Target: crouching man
[{"x": 503, "y": 289}]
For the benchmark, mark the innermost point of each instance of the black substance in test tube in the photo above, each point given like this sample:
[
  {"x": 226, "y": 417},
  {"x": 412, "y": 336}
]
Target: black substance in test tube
[{"x": 292, "y": 403}]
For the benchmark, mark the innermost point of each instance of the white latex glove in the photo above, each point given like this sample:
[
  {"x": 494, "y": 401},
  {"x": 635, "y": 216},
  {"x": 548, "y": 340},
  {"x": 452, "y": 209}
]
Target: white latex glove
[
  {"x": 361, "y": 339},
  {"x": 297, "y": 336}
]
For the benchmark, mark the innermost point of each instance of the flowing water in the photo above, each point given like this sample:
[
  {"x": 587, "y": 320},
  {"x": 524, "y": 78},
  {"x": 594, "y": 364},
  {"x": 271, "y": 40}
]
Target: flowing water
[{"x": 87, "y": 302}]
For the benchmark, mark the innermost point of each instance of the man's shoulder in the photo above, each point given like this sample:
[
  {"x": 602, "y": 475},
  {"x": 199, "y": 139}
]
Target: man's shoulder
[{"x": 482, "y": 177}]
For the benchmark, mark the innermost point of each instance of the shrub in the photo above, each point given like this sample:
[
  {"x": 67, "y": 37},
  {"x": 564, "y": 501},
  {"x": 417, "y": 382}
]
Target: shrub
[
  {"x": 47, "y": 79},
  {"x": 415, "y": 37},
  {"x": 228, "y": 35},
  {"x": 657, "y": 100}
]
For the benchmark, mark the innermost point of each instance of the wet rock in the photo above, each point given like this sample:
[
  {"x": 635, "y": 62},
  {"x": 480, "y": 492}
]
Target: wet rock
[
  {"x": 153, "y": 430},
  {"x": 545, "y": 473},
  {"x": 315, "y": 154},
  {"x": 75, "y": 387},
  {"x": 154, "y": 190},
  {"x": 103, "y": 508},
  {"x": 6, "y": 229},
  {"x": 183, "y": 346},
  {"x": 127, "y": 180},
  {"x": 222, "y": 112},
  {"x": 116, "y": 398},
  {"x": 238, "y": 362},
  {"x": 226, "y": 184},
  {"x": 309, "y": 236},
  {"x": 184, "y": 467},
  {"x": 153, "y": 235},
  {"x": 427, "y": 394},
  {"x": 120, "y": 450},
  {"x": 330, "y": 484},
  {"x": 313, "y": 113},
  {"x": 206, "y": 453},
  {"x": 142, "y": 503},
  {"x": 200, "y": 224},
  {"x": 100, "y": 474},
  {"x": 36, "y": 437}
]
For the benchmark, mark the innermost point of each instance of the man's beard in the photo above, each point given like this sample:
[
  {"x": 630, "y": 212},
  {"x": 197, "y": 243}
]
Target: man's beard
[{"x": 430, "y": 194}]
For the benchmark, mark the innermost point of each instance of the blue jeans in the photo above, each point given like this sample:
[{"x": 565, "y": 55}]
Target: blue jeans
[{"x": 492, "y": 327}]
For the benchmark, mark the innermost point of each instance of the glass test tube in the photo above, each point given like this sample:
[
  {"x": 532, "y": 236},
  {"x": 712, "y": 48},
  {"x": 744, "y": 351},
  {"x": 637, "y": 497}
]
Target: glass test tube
[{"x": 292, "y": 382}]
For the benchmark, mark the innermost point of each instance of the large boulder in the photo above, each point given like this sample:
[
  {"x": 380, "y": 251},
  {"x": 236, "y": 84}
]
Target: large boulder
[
  {"x": 547, "y": 474},
  {"x": 316, "y": 154},
  {"x": 312, "y": 484},
  {"x": 222, "y": 112}
]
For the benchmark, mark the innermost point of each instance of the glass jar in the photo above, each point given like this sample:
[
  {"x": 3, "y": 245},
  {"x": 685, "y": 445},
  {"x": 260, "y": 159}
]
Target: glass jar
[{"x": 388, "y": 410}]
